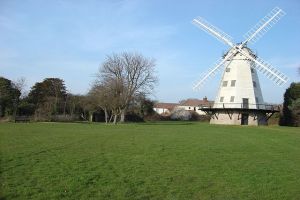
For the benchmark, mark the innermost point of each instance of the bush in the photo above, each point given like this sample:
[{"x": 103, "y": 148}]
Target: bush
[
  {"x": 180, "y": 114},
  {"x": 274, "y": 120},
  {"x": 133, "y": 117},
  {"x": 156, "y": 117},
  {"x": 64, "y": 118},
  {"x": 26, "y": 108}
]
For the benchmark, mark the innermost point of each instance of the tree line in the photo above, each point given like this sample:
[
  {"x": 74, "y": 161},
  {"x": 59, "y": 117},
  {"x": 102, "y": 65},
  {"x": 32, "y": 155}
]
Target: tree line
[{"x": 121, "y": 89}]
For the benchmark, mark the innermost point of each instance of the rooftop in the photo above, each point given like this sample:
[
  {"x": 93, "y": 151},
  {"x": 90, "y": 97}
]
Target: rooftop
[
  {"x": 196, "y": 102},
  {"x": 168, "y": 106}
]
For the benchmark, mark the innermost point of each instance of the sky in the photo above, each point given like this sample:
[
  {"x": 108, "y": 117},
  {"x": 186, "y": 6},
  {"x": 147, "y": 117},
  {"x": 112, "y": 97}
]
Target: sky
[{"x": 69, "y": 39}]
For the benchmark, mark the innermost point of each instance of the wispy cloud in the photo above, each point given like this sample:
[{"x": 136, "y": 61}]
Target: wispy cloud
[
  {"x": 286, "y": 62},
  {"x": 69, "y": 39},
  {"x": 119, "y": 37}
]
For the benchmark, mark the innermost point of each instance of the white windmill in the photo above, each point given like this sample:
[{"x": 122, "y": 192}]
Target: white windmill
[{"x": 239, "y": 99}]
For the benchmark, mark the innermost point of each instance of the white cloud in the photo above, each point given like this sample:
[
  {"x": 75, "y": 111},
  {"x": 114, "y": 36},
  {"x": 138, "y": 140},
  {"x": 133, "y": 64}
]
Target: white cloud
[{"x": 285, "y": 62}]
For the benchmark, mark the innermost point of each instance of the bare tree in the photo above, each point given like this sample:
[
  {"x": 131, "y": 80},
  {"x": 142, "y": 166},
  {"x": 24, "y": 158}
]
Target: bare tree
[
  {"x": 124, "y": 76},
  {"x": 101, "y": 96},
  {"x": 21, "y": 84},
  {"x": 109, "y": 97}
]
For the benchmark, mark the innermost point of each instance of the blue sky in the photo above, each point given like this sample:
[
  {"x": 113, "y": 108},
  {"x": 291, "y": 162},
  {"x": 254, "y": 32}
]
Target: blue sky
[{"x": 70, "y": 39}]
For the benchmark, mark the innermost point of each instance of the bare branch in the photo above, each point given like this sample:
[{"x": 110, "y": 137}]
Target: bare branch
[{"x": 124, "y": 76}]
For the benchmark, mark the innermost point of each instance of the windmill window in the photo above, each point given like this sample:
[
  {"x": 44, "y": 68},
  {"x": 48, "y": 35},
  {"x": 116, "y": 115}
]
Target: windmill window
[
  {"x": 221, "y": 99},
  {"x": 252, "y": 70},
  {"x": 225, "y": 83},
  {"x": 256, "y": 99},
  {"x": 233, "y": 83},
  {"x": 254, "y": 84},
  {"x": 227, "y": 69},
  {"x": 232, "y": 99}
]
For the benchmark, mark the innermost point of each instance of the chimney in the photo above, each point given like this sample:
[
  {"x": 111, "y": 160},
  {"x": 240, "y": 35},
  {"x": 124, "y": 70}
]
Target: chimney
[{"x": 205, "y": 98}]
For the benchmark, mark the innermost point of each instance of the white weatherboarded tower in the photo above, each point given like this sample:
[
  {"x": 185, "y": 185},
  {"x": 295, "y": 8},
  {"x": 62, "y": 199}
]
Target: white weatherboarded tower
[{"x": 239, "y": 99}]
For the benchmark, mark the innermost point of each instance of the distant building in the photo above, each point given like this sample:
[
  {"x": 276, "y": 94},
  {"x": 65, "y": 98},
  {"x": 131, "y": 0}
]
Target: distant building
[
  {"x": 189, "y": 105},
  {"x": 196, "y": 105},
  {"x": 164, "y": 108}
]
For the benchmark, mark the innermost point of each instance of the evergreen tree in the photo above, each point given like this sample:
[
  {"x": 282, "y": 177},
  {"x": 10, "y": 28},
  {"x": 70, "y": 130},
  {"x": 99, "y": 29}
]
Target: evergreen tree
[
  {"x": 9, "y": 97},
  {"x": 48, "y": 96},
  {"x": 291, "y": 106}
]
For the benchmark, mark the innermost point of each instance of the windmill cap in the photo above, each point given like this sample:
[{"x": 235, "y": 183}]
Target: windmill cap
[{"x": 245, "y": 48}]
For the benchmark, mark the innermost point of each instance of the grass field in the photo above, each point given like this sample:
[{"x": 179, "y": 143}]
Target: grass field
[{"x": 148, "y": 161}]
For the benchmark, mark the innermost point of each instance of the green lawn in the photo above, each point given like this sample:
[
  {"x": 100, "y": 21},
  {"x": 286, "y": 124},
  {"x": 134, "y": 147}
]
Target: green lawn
[{"x": 148, "y": 161}]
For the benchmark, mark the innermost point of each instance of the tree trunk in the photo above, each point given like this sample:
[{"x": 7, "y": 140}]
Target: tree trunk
[
  {"x": 122, "y": 119},
  {"x": 106, "y": 117},
  {"x": 115, "y": 118},
  {"x": 65, "y": 105},
  {"x": 15, "y": 108},
  {"x": 55, "y": 105},
  {"x": 90, "y": 116}
]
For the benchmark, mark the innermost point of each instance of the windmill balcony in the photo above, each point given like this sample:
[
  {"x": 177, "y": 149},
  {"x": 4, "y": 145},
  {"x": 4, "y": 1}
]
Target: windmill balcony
[{"x": 243, "y": 106}]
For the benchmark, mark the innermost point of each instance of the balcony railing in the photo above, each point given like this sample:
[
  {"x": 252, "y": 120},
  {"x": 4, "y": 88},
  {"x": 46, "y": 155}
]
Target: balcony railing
[{"x": 243, "y": 106}]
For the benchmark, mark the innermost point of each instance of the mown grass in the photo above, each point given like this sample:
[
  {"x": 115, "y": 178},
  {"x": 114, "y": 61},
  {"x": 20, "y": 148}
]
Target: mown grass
[{"x": 148, "y": 161}]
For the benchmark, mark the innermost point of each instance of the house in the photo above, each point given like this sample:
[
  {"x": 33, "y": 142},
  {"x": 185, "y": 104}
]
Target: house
[
  {"x": 164, "y": 108},
  {"x": 189, "y": 105},
  {"x": 196, "y": 105}
]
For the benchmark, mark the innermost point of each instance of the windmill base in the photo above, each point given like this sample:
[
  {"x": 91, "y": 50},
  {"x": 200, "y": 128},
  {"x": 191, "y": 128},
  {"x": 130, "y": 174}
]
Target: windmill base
[
  {"x": 235, "y": 116},
  {"x": 254, "y": 119}
]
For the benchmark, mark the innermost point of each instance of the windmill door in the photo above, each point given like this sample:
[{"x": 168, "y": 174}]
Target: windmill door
[
  {"x": 245, "y": 103},
  {"x": 244, "y": 120}
]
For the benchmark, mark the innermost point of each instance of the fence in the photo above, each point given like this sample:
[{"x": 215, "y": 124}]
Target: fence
[{"x": 244, "y": 106}]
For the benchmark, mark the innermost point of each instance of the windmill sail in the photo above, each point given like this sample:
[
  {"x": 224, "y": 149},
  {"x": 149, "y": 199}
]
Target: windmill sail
[
  {"x": 253, "y": 35},
  {"x": 209, "y": 74},
  {"x": 263, "y": 25},
  {"x": 212, "y": 30},
  {"x": 269, "y": 71},
  {"x": 239, "y": 99}
]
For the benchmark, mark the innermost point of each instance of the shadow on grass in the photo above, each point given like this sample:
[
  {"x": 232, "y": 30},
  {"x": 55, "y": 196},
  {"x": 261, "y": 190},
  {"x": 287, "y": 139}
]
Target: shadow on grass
[
  {"x": 180, "y": 123},
  {"x": 173, "y": 123}
]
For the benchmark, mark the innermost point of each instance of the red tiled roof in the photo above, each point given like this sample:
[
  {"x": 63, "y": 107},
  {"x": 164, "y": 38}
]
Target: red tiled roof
[
  {"x": 196, "y": 102},
  {"x": 168, "y": 106}
]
